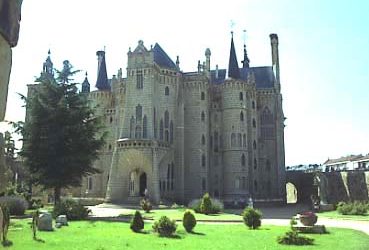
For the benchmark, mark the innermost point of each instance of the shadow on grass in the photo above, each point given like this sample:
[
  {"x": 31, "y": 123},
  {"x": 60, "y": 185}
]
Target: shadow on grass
[
  {"x": 6, "y": 243},
  {"x": 197, "y": 233},
  {"x": 39, "y": 240}
]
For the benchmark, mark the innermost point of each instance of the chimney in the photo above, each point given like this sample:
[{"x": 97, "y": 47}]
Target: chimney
[{"x": 275, "y": 55}]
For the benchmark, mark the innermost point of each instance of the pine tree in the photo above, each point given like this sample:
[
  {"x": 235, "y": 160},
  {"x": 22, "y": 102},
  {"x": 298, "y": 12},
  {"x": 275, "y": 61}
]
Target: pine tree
[{"x": 61, "y": 136}]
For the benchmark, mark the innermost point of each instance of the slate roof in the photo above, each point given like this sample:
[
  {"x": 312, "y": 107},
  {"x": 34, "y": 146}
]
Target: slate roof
[
  {"x": 233, "y": 69},
  {"x": 264, "y": 76},
  {"x": 102, "y": 82},
  {"x": 162, "y": 59}
]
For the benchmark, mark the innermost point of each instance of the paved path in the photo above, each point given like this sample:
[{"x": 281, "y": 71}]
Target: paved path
[{"x": 279, "y": 216}]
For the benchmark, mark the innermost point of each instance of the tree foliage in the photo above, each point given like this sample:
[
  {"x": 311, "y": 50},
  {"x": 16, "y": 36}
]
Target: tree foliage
[{"x": 61, "y": 135}]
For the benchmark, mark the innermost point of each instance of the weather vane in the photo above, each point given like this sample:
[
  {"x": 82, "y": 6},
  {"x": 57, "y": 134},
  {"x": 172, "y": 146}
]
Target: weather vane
[{"x": 232, "y": 26}]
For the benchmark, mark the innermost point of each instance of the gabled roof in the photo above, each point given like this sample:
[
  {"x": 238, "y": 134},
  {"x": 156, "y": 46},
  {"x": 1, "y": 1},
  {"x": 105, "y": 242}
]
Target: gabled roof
[{"x": 162, "y": 59}]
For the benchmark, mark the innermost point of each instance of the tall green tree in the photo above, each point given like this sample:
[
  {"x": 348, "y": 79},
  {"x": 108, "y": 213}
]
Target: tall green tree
[{"x": 61, "y": 136}]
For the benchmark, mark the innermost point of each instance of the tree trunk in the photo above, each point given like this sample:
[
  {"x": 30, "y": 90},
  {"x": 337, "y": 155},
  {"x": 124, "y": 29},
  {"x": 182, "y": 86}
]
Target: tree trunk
[{"x": 57, "y": 191}]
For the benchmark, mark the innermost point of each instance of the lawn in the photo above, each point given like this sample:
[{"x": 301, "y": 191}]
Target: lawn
[
  {"x": 336, "y": 215},
  {"x": 177, "y": 214},
  {"x": 117, "y": 235}
]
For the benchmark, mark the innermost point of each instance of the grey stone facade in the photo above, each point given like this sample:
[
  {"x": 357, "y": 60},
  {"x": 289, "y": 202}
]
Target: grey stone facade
[{"x": 181, "y": 134}]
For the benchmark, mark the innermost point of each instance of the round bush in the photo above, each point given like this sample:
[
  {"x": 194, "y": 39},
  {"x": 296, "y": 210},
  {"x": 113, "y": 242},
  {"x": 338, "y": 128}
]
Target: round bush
[
  {"x": 165, "y": 226},
  {"x": 137, "y": 223},
  {"x": 252, "y": 217},
  {"x": 17, "y": 205},
  {"x": 189, "y": 221}
]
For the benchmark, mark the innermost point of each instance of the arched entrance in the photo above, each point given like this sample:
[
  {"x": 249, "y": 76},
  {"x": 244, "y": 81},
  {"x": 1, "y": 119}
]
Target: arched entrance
[
  {"x": 143, "y": 184},
  {"x": 291, "y": 192}
]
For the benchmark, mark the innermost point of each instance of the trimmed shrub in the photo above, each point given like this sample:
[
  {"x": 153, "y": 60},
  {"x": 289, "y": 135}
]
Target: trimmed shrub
[
  {"x": 293, "y": 238},
  {"x": 252, "y": 217},
  {"x": 146, "y": 205},
  {"x": 137, "y": 223},
  {"x": 72, "y": 209},
  {"x": 216, "y": 206},
  {"x": 195, "y": 205},
  {"x": 165, "y": 226},
  {"x": 16, "y": 205},
  {"x": 189, "y": 221},
  {"x": 352, "y": 208},
  {"x": 206, "y": 206}
]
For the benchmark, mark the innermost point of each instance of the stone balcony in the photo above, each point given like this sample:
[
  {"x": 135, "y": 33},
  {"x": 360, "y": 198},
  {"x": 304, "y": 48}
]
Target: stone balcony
[{"x": 141, "y": 143}]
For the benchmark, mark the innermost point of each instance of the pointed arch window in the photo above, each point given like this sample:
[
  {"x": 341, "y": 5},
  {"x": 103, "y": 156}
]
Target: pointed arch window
[
  {"x": 203, "y": 160},
  {"x": 161, "y": 129},
  {"x": 243, "y": 160},
  {"x": 244, "y": 140},
  {"x": 253, "y": 104},
  {"x": 166, "y": 91},
  {"x": 203, "y": 139},
  {"x": 233, "y": 140},
  {"x": 166, "y": 119},
  {"x": 131, "y": 127},
  {"x": 216, "y": 141},
  {"x": 138, "y": 113},
  {"x": 255, "y": 186},
  {"x": 268, "y": 165},
  {"x": 155, "y": 125},
  {"x": 202, "y": 116},
  {"x": 241, "y": 117},
  {"x": 144, "y": 125},
  {"x": 255, "y": 164},
  {"x": 266, "y": 117},
  {"x": 166, "y": 132},
  {"x": 254, "y": 145},
  {"x": 202, "y": 96},
  {"x": 254, "y": 123},
  {"x": 241, "y": 96},
  {"x": 239, "y": 144},
  {"x": 139, "y": 79},
  {"x": 138, "y": 132},
  {"x": 171, "y": 132}
]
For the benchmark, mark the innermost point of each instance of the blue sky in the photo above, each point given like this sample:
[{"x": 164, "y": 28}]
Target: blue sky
[{"x": 324, "y": 55}]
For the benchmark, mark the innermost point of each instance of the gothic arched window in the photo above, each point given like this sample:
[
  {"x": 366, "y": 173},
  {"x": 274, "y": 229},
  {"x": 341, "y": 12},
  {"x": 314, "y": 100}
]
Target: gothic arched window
[
  {"x": 243, "y": 160},
  {"x": 138, "y": 113},
  {"x": 202, "y": 96},
  {"x": 203, "y": 160},
  {"x": 166, "y": 90},
  {"x": 233, "y": 140},
  {"x": 244, "y": 140},
  {"x": 144, "y": 125},
  {"x": 254, "y": 145},
  {"x": 202, "y": 116},
  {"x": 161, "y": 130},
  {"x": 241, "y": 116},
  {"x": 239, "y": 140},
  {"x": 155, "y": 125},
  {"x": 241, "y": 96},
  {"x": 171, "y": 132},
  {"x": 132, "y": 127},
  {"x": 138, "y": 132},
  {"x": 203, "y": 139},
  {"x": 166, "y": 119}
]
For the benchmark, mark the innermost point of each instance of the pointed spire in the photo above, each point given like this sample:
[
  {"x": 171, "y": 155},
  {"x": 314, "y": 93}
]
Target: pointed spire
[
  {"x": 48, "y": 67},
  {"x": 102, "y": 76},
  {"x": 246, "y": 60},
  {"x": 233, "y": 70},
  {"x": 85, "y": 85}
]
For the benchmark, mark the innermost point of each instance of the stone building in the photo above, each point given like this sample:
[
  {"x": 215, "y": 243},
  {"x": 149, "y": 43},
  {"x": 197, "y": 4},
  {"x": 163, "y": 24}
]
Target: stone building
[{"x": 181, "y": 134}]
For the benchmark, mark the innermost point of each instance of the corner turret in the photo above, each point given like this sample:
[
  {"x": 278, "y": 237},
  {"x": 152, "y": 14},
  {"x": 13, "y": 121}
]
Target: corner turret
[{"x": 85, "y": 85}]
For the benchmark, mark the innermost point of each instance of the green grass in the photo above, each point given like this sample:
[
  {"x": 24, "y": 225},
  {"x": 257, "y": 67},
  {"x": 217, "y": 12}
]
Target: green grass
[
  {"x": 177, "y": 214},
  {"x": 336, "y": 215},
  {"x": 111, "y": 236}
]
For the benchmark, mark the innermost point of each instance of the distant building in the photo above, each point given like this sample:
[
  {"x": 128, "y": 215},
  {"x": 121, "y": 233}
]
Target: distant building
[
  {"x": 351, "y": 162},
  {"x": 181, "y": 134}
]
